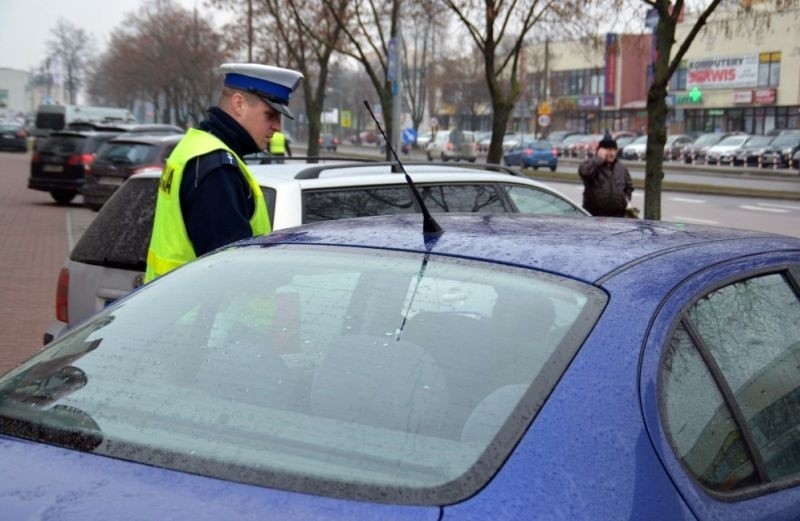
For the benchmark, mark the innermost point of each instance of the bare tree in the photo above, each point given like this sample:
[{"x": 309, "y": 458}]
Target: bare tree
[
  {"x": 72, "y": 48},
  {"x": 500, "y": 36},
  {"x": 420, "y": 34},
  {"x": 296, "y": 21},
  {"x": 148, "y": 59},
  {"x": 368, "y": 26}
]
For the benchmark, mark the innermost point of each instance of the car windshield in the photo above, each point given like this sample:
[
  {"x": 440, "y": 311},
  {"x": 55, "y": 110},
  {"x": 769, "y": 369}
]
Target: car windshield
[
  {"x": 393, "y": 376},
  {"x": 641, "y": 140},
  {"x": 127, "y": 153},
  {"x": 733, "y": 141},
  {"x": 759, "y": 141},
  {"x": 786, "y": 140},
  {"x": 708, "y": 139}
]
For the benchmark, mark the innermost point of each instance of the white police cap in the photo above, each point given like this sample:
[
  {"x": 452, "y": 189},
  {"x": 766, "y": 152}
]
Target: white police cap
[{"x": 272, "y": 84}]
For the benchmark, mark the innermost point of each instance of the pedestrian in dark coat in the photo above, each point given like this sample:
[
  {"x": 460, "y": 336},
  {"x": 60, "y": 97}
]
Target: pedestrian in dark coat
[{"x": 607, "y": 184}]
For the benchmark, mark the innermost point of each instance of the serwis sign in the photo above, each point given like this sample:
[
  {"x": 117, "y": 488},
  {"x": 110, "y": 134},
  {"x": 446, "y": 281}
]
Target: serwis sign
[{"x": 729, "y": 72}]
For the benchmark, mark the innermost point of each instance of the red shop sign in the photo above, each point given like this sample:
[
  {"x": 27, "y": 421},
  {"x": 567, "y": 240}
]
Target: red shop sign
[{"x": 765, "y": 96}]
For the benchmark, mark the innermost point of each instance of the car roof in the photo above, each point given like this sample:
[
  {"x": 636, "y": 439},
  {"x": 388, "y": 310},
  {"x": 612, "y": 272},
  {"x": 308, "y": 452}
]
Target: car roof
[
  {"x": 366, "y": 173},
  {"x": 149, "y": 139},
  {"x": 583, "y": 249}
]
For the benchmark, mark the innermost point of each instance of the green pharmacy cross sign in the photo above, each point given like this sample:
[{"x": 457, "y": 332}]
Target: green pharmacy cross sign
[{"x": 693, "y": 97}]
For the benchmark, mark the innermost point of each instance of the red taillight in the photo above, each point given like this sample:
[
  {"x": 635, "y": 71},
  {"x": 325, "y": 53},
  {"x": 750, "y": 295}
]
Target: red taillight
[
  {"x": 84, "y": 160},
  {"x": 36, "y": 157},
  {"x": 555, "y": 151},
  {"x": 449, "y": 146},
  {"x": 320, "y": 141},
  {"x": 22, "y": 134},
  {"x": 335, "y": 141},
  {"x": 62, "y": 295},
  {"x": 528, "y": 152}
]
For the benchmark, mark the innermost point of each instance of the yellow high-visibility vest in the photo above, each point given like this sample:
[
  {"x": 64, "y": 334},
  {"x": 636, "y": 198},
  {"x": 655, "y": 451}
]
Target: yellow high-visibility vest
[
  {"x": 277, "y": 144},
  {"x": 170, "y": 246}
]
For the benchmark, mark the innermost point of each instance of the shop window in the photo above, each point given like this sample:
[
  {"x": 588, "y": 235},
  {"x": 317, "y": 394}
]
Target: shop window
[
  {"x": 769, "y": 69},
  {"x": 678, "y": 80}
]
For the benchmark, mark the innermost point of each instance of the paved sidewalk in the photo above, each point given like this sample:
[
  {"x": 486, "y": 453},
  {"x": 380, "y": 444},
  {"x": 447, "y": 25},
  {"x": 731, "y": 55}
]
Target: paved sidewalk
[{"x": 34, "y": 246}]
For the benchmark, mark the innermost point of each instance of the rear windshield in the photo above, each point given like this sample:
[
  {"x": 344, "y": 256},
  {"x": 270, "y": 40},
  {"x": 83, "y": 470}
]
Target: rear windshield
[
  {"x": 127, "y": 153},
  {"x": 345, "y": 372},
  {"x": 63, "y": 145},
  {"x": 50, "y": 121},
  {"x": 120, "y": 234}
]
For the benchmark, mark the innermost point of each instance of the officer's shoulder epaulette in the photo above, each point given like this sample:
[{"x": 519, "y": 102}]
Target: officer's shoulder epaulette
[{"x": 214, "y": 160}]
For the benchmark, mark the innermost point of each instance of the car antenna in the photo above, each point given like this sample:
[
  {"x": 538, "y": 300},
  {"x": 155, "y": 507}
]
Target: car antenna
[{"x": 429, "y": 224}]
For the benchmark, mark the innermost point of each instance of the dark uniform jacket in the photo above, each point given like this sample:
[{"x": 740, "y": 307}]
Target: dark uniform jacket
[
  {"x": 215, "y": 198},
  {"x": 607, "y": 188}
]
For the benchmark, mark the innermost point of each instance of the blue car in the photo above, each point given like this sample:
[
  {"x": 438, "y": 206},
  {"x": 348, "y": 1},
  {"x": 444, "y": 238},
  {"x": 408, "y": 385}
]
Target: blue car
[
  {"x": 533, "y": 154},
  {"x": 511, "y": 367}
]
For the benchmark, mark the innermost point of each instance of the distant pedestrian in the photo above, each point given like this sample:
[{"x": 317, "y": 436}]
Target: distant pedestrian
[
  {"x": 279, "y": 146},
  {"x": 607, "y": 184},
  {"x": 207, "y": 196}
]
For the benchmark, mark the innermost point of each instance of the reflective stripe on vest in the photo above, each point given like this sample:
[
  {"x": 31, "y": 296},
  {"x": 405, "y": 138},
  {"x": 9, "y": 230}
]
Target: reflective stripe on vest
[
  {"x": 170, "y": 246},
  {"x": 277, "y": 143}
]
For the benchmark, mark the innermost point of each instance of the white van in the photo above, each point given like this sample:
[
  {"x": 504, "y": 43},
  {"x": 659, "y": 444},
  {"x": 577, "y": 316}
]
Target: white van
[
  {"x": 50, "y": 118},
  {"x": 453, "y": 144}
]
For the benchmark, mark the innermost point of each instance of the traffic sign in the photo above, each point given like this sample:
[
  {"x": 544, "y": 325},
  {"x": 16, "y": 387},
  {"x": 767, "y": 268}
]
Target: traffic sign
[
  {"x": 544, "y": 109},
  {"x": 544, "y": 120},
  {"x": 409, "y": 136},
  {"x": 346, "y": 119}
]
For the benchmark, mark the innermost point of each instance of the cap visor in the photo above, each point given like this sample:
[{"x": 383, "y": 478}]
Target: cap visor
[{"x": 280, "y": 107}]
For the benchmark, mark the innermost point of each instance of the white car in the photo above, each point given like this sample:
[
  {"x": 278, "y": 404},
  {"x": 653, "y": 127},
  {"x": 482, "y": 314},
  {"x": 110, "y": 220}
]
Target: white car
[
  {"x": 724, "y": 152},
  {"x": 636, "y": 149},
  {"x": 109, "y": 259}
]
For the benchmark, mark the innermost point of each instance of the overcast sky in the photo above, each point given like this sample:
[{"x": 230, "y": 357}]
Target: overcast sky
[{"x": 25, "y": 25}]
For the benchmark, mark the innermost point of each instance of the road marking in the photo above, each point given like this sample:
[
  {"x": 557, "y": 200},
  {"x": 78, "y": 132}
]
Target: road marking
[
  {"x": 687, "y": 200},
  {"x": 762, "y": 209},
  {"x": 678, "y": 218},
  {"x": 784, "y": 206},
  {"x": 70, "y": 237}
]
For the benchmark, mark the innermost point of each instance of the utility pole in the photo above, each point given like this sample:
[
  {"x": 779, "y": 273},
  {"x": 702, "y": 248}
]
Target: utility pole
[{"x": 250, "y": 31}]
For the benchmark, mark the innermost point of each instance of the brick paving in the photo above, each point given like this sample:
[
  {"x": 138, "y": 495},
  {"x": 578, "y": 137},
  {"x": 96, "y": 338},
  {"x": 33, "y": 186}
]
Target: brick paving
[{"x": 33, "y": 246}]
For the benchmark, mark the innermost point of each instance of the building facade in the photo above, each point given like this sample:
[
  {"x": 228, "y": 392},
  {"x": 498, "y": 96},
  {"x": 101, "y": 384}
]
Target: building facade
[
  {"x": 15, "y": 95},
  {"x": 739, "y": 74}
]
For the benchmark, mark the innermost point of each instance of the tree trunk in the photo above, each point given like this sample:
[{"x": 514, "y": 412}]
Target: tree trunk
[{"x": 499, "y": 122}]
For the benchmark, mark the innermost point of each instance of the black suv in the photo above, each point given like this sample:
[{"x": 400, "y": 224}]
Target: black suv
[
  {"x": 120, "y": 158},
  {"x": 60, "y": 162}
]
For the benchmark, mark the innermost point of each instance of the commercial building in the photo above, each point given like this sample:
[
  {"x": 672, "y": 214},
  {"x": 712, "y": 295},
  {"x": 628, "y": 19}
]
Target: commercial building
[
  {"x": 15, "y": 96},
  {"x": 739, "y": 74}
]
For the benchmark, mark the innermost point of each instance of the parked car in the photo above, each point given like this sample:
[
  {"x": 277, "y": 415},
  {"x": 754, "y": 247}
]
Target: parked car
[
  {"x": 724, "y": 152},
  {"x": 585, "y": 146},
  {"x": 453, "y": 144},
  {"x": 636, "y": 149},
  {"x": 423, "y": 139},
  {"x": 532, "y": 154},
  {"x": 796, "y": 161},
  {"x": 563, "y": 148},
  {"x": 512, "y": 367},
  {"x": 696, "y": 152},
  {"x": 557, "y": 136},
  {"x": 673, "y": 149},
  {"x": 484, "y": 143},
  {"x": 121, "y": 157},
  {"x": 781, "y": 149},
  {"x": 623, "y": 141},
  {"x": 61, "y": 161},
  {"x": 328, "y": 142},
  {"x": 109, "y": 260},
  {"x": 750, "y": 153},
  {"x": 13, "y": 137}
]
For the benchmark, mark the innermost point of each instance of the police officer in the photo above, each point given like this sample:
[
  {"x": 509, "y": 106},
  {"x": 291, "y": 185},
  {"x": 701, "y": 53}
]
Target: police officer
[
  {"x": 278, "y": 146},
  {"x": 207, "y": 196}
]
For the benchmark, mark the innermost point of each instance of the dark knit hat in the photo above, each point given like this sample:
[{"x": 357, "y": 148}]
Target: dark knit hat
[{"x": 607, "y": 142}]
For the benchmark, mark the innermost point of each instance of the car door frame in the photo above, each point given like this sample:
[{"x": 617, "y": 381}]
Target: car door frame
[{"x": 778, "y": 502}]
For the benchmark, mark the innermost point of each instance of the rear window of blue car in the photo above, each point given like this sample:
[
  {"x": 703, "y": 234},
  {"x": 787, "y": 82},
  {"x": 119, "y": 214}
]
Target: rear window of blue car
[{"x": 347, "y": 372}]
